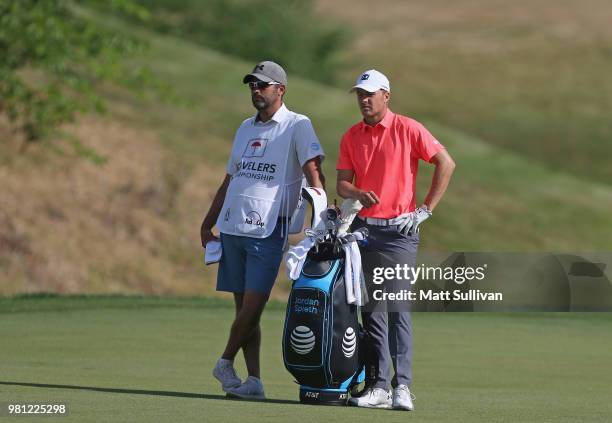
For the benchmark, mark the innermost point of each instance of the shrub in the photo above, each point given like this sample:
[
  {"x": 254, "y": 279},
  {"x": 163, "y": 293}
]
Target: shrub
[{"x": 52, "y": 57}]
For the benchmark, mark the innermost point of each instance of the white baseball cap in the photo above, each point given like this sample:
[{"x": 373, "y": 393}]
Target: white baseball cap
[{"x": 372, "y": 81}]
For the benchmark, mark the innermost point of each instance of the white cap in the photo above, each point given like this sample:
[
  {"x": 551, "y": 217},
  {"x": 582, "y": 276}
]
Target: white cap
[{"x": 372, "y": 81}]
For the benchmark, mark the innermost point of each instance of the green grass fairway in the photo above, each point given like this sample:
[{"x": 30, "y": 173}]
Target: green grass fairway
[{"x": 141, "y": 359}]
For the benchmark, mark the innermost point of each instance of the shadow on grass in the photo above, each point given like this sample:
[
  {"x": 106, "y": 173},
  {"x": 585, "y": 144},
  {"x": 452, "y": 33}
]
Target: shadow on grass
[{"x": 142, "y": 392}]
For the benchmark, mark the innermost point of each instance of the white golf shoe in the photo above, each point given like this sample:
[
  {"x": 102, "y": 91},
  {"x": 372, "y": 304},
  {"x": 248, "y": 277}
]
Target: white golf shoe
[
  {"x": 225, "y": 373},
  {"x": 373, "y": 398},
  {"x": 252, "y": 388},
  {"x": 402, "y": 398}
]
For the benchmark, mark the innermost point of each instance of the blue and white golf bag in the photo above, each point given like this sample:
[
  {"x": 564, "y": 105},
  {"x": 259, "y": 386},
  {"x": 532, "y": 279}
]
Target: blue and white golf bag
[{"x": 322, "y": 334}]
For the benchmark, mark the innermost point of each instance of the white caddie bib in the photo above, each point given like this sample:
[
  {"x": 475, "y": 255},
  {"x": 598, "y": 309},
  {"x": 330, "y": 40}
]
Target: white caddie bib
[{"x": 255, "y": 193}]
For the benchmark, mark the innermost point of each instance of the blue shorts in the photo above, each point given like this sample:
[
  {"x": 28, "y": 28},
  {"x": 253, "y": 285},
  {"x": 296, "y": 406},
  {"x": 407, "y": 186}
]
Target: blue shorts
[{"x": 250, "y": 264}]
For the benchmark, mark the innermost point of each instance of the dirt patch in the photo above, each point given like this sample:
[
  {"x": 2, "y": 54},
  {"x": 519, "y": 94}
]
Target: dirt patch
[{"x": 68, "y": 225}]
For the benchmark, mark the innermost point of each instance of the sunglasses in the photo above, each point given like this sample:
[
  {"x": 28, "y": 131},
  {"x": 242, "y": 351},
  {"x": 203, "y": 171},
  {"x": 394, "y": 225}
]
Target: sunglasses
[{"x": 261, "y": 85}]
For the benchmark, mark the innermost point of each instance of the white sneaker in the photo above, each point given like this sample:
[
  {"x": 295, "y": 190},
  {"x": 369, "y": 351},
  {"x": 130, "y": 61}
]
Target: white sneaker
[
  {"x": 252, "y": 388},
  {"x": 373, "y": 398},
  {"x": 225, "y": 373},
  {"x": 402, "y": 398}
]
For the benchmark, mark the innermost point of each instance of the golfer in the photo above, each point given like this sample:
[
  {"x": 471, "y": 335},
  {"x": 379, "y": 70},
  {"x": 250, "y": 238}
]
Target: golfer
[
  {"x": 377, "y": 165},
  {"x": 272, "y": 152}
]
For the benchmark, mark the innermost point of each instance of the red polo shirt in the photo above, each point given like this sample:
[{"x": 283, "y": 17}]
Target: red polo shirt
[{"x": 385, "y": 159}]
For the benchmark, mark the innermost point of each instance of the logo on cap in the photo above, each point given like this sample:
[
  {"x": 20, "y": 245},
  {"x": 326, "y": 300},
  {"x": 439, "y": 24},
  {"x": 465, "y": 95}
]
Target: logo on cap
[
  {"x": 260, "y": 67},
  {"x": 365, "y": 76}
]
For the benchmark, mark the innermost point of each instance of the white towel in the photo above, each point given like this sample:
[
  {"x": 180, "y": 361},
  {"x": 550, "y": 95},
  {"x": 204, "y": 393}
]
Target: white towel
[
  {"x": 296, "y": 257},
  {"x": 349, "y": 284},
  {"x": 213, "y": 252},
  {"x": 356, "y": 270},
  {"x": 352, "y": 269}
]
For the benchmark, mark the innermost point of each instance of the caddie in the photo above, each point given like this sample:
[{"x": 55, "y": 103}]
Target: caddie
[
  {"x": 377, "y": 165},
  {"x": 272, "y": 153}
]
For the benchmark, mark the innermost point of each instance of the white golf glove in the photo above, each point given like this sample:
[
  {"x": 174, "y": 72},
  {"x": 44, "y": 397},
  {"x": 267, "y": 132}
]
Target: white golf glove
[
  {"x": 348, "y": 210},
  {"x": 410, "y": 225},
  {"x": 406, "y": 224}
]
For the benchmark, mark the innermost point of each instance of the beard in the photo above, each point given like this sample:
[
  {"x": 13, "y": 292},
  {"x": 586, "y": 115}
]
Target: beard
[{"x": 259, "y": 103}]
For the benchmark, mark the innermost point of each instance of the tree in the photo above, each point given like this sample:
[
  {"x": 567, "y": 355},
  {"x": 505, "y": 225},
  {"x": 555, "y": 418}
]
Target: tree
[{"x": 52, "y": 57}]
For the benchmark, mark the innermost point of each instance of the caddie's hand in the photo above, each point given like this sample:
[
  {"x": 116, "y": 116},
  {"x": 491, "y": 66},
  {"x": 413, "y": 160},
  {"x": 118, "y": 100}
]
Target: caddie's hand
[
  {"x": 207, "y": 236},
  {"x": 368, "y": 198}
]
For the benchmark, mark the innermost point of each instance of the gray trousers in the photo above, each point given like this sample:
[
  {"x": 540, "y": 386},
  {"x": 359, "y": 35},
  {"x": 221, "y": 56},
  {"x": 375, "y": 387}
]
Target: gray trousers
[{"x": 388, "y": 323}]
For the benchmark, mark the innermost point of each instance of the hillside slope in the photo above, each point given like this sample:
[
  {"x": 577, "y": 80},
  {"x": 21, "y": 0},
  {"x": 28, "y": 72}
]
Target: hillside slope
[
  {"x": 132, "y": 223},
  {"x": 532, "y": 77}
]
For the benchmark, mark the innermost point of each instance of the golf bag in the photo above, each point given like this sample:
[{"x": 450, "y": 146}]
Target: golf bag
[{"x": 322, "y": 334}]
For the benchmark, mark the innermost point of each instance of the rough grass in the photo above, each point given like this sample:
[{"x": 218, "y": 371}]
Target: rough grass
[{"x": 69, "y": 225}]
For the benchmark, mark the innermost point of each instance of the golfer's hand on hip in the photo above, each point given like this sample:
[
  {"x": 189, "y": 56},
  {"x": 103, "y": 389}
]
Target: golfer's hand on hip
[{"x": 410, "y": 225}]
